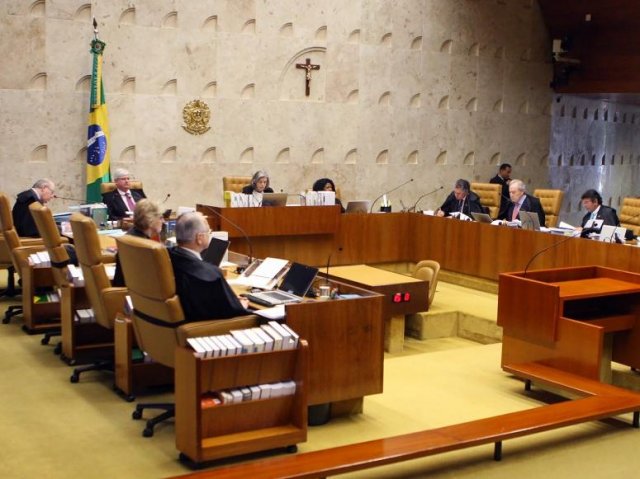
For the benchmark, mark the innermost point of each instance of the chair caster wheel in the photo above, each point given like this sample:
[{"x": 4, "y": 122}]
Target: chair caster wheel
[
  {"x": 147, "y": 432},
  {"x": 71, "y": 362},
  {"x": 58, "y": 349},
  {"x": 74, "y": 378},
  {"x": 291, "y": 449},
  {"x": 130, "y": 398},
  {"x": 136, "y": 414},
  {"x": 44, "y": 341},
  {"x": 6, "y": 320}
]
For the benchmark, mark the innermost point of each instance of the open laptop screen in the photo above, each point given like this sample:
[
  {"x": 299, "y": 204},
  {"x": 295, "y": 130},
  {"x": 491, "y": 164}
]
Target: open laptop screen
[
  {"x": 361, "y": 206},
  {"x": 274, "y": 199},
  {"x": 215, "y": 251},
  {"x": 298, "y": 279},
  {"x": 529, "y": 220}
]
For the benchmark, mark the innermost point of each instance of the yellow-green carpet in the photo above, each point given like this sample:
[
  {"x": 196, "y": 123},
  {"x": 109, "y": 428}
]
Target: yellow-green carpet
[{"x": 52, "y": 428}]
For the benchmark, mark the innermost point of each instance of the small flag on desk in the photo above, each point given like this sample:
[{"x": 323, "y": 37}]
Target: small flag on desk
[{"x": 98, "y": 148}]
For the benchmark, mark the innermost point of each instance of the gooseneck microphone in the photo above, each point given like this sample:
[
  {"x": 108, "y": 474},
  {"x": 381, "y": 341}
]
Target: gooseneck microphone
[
  {"x": 326, "y": 281},
  {"x": 236, "y": 226},
  {"x": 413, "y": 208},
  {"x": 387, "y": 192},
  {"x": 69, "y": 199},
  {"x": 543, "y": 250}
]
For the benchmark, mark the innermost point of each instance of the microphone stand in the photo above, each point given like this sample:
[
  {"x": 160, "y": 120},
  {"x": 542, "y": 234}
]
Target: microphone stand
[
  {"x": 544, "y": 250},
  {"x": 69, "y": 199},
  {"x": 387, "y": 192},
  {"x": 415, "y": 205},
  {"x": 244, "y": 233},
  {"x": 326, "y": 282}
]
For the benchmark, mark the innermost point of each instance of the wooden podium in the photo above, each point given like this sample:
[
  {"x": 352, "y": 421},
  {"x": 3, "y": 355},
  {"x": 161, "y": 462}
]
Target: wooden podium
[
  {"x": 573, "y": 319},
  {"x": 402, "y": 295},
  {"x": 299, "y": 233}
]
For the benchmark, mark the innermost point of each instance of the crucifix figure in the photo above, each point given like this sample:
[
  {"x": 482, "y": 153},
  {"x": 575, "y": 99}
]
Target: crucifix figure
[{"x": 308, "y": 67}]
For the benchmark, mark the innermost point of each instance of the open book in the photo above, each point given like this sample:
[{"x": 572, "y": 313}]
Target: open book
[{"x": 263, "y": 274}]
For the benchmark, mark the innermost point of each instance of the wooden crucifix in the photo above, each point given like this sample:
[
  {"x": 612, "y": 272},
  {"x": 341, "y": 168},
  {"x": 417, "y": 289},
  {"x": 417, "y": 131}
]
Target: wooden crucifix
[{"x": 308, "y": 67}]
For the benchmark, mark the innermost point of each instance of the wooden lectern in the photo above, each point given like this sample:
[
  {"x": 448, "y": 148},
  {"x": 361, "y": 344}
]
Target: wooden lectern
[{"x": 573, "y": 319}]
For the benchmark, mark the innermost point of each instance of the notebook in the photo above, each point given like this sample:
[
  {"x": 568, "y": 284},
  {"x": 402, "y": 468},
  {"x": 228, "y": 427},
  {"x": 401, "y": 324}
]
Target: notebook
[
  {"x": 360, "y": 206},
  {"x": 274, "y": 199},
  {"x": 481, "y": 217},
  {"x": 215, "y": 251},
  {"x": 529, "y": 220},
  {"x": 294, "y": 286}
]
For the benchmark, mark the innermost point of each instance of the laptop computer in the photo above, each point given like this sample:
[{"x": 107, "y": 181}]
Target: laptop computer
[
  {"x": 360, "y": 206},
  {"x": 274, "y": 199},
  {"x": 612, "y": 234},
  {"x": 294, "y": 286},
  {"x": 529, "y": 220},
  {"x": 482, "y": 217},
  {"x": 215, "y": 251}
]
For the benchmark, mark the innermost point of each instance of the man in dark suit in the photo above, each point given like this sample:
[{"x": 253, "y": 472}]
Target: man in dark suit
[
  {"x": 520, "y": 201},
  {"x": 461, "y": 200},
  {"x": 592, "y": 202},
  {"x": 43, "y": 191},
  {"x": 503, "y": 178},
  {"x": 121, "y": 202},
  {"x": 203, "y": 291}
]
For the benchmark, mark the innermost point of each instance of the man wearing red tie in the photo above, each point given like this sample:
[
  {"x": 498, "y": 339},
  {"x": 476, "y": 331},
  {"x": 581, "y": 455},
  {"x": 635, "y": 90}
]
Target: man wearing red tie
[
  {"x": 520, "y": 201},
  {"x": 122, "y": 201}
]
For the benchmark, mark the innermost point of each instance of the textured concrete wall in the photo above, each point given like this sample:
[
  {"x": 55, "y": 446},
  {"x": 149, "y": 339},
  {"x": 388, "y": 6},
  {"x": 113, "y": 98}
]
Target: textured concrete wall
[
  {"x": 594, "y": 144},
  {"x": 429, "y": 89}
]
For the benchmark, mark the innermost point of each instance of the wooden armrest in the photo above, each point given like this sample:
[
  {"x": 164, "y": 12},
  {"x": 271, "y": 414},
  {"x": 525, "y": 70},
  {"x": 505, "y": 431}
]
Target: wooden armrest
[
  {"x": 214, "y": 327},
  {"x": 31, "y": 242},
  {"x": 108, "y": 258},
  {"x": 22, "y": 253},
  {"x": 113, "y": 299}
]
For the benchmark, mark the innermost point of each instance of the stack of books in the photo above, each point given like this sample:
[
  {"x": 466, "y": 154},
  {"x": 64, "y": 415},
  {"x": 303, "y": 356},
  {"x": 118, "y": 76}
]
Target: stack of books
[
  {"x": 46, "y": 298},
  {"x": 40, "y": 259},
  {"x": 85, "y": 316},
  {"x": 248, "y": 393},
  {"x": 268, "y": 337}
]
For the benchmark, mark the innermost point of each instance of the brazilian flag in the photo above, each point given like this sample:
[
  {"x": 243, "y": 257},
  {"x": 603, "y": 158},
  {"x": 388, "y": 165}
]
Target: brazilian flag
[{"x": 98, "y": 148}]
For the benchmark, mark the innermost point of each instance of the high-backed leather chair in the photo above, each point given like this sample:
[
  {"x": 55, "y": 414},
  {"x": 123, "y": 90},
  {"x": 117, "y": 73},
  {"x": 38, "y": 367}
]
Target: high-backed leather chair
[
  {"x": 551, "y": 201},
  {"x": 235, "y": 183},
  {"x": 490, "y": 196},
  {"x": 6, "y": 263},
  {"x": 428, "y": 270},
  {"x": 106, "y": 301},
  {"x": 54, "y": 244},
  {"x": 630, "y": 214},
  {"x": 158, "y": 318},
  {"x": 18, "y": 248},
  {"x": 109, "y": 186}
]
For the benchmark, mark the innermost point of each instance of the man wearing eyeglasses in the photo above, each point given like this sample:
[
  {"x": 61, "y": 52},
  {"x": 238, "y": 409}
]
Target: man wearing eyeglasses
[
  {"x": 42, "y": 191},
  {"x": 201, "y": 287},
  {"x": 121, "y": 202}
]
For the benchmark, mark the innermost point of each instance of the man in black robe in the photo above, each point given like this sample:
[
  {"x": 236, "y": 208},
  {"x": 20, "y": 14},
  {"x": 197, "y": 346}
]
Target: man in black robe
[
  {"x": 203, "y": 291},
  {"x": 461, "y": 200},
  {"x": 43, "y": 191}
]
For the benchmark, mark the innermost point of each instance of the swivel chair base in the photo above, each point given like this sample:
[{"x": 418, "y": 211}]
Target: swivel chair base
[
  {"x": 10, "y": 291},
  {"x": 11, "y": 311},
  {"x": 169, "y": 412},
  {"x": 97, "y": 366}
]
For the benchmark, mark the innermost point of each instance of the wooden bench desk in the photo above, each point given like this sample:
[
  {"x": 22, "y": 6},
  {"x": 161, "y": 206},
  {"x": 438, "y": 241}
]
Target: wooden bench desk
[{"x": 599, "y": 401}]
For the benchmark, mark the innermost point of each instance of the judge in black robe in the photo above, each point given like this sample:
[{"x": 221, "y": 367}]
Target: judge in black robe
[{"x": 203, "y": 291}]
